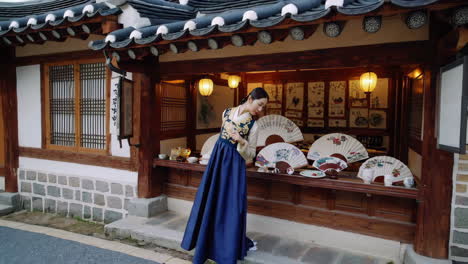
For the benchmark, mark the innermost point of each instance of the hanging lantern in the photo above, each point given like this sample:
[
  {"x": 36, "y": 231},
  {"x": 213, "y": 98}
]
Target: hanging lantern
[
  {"x": 233, "y": 81},
  {"x": 368, "y": 81},
  {"x": 205, "y": 86}
]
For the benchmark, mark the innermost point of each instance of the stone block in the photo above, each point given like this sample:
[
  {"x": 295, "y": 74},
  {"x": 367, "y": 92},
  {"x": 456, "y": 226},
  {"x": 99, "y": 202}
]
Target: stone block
[
  {"x": 87, "y": 197},
  {"x": 463, "y": 166},
  {"x": 460, "y": 237},
  {"x": 357, "y": 259},
  {"x": 53, "y": 191},
  {"x": 126, "y": 201},
  {"x": 111, "y": 216},
  {"x": 147, "y": 207},
  {"x": 99, "y": 199},
  {"x": 289, "y": 248},
  {"x": 21, "y": 175},
  {"x": 26, "y": 203},
  {"x": 87, "y": 184},
  {"x": 62, "y": 208},
  {"x": 102, "y": 186},
  {"x": 97, "y": 214},
  {"x": 461, "y": 217},
  {"x": 42, "y": 177},
  {"x": 67, "y": 193},
  {"x": 62, "y": 180},
  {"x": 77, "y": 195},
  {"x": 460, "y": 188},
  {"x": 31, "y": 175},
  {"x": 50, "y": 206},
  {"x": 39, "y": 189},
  {"x": 74, "y": 181},
  {"x": 129, "y": 191},
  {"x": 411, "y": 257},
  {"x": 462, "y": 178},
  {"x": 86, "y": 212},
  {"x": 26, "y": 187},
  {"x": 37, "y": 204},
  {"x": 52, "y": 178},
  {"x": 459, "y": 252},
  {"x": 116, "y": 188},
  {"x": 461, "y": 200},
  {"x": 114, "y": 202},
  {"x": 76, "y": 210}
]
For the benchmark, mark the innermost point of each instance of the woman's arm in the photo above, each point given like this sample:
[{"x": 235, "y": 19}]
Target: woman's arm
[{"x": 246, "y": 148}]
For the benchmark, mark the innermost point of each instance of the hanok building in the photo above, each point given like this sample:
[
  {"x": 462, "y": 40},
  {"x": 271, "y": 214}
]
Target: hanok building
[{"x": 79, "y": 140}]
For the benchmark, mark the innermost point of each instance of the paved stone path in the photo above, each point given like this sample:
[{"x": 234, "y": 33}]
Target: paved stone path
[
  {"x": 22, "y": 243},
  {"x": 166, "y": 229}
]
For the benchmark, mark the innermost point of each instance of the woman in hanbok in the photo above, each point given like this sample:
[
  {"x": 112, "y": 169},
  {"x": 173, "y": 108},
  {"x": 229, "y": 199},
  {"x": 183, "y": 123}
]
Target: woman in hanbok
[{"x": 217, "y": 223}]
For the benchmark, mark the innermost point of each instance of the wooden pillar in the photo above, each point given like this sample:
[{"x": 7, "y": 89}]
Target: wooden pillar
[
  {"x": 10, "y": 117},
  {"x": 147, "y": 81},
  {"x": 191, "y": 113},
  {"x": 435, "y": 191}
]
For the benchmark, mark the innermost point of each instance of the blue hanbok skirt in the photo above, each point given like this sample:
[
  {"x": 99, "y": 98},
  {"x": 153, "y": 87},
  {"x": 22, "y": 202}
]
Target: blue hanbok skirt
[{"x": 217, "y": 223}]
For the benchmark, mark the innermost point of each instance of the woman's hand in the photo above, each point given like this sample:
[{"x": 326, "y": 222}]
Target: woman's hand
[{"x": 235, "y": 135}]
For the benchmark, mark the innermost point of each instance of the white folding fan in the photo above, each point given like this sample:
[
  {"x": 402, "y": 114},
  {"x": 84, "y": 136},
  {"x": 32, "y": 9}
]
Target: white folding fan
[
  {"x": 330, "y": 163},
  {"x": 209, "y": 145},
  {"x": 277, "y": 152},
  {"x": 337, "y": 143},
  {"x": 385, "y": 165},
  {"x": 274, "y": 128}
]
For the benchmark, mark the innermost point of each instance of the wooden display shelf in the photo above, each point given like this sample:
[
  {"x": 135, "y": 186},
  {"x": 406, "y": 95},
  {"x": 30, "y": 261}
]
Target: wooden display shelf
[{"x": 347, "y": 180}]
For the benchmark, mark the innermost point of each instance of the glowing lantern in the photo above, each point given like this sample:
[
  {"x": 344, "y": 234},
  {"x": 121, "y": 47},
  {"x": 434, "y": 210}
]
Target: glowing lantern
[
  {"x": 205, "y": 86},
  {"x": 368, "y": 81},
  {"x": 233, "y": 81}
]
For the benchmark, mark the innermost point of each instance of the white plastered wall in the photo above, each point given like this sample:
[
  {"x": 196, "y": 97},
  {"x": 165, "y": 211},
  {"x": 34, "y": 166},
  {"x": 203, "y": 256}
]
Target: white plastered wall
[{"x": 29, "y": 117}]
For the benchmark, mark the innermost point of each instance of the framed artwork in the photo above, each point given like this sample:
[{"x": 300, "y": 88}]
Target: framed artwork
[
  {"x": 210, "y": 108},
  {"x": 251, "y": 86},
  {"x": 315, "y": 123},
  {"x": 377, "y": 119},
  {"x": 126, "y": 108},
  {"x": 294, "y": 100},
  {"x": 359, "y": 117},
  {"x": 357, "y": 98},
  {"x": 336, "y": 122},
  {"x": 316, "y": 99},
  {"x": 452, "y": 106},
  {"x": 275, "y": 92},
  {"x": 336, "y": 99},
  {"x": 379, "y": 97}
]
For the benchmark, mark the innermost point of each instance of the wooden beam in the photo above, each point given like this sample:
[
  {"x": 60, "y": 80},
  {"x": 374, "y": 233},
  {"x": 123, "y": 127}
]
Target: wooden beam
[
  {"x": 76, "y": 157},
  {"x": 57, "y": 57},
  {"x": 10, "y": 117},
  {"x": 435, "y": 191},
  {"x": 110, "y": 24},
  {"x": 150, "y": 183},
  {"x": 382, "y": 54}
]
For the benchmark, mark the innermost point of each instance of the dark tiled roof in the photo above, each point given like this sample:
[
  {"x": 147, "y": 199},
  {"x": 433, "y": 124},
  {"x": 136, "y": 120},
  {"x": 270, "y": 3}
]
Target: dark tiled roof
[{"x": 48, "y": 14}]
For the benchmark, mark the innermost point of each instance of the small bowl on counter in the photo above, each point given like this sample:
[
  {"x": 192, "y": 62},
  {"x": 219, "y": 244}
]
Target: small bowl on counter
[
  {"x": 163, "y": 156},
  {"x": 192, "y": 159}
]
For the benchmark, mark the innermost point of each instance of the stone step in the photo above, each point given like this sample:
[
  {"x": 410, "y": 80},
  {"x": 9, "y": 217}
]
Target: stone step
[
  {"x": 10, "y": 199},
  {"x": 166, "y": 230},
  {"x": 6, "y": 209}
]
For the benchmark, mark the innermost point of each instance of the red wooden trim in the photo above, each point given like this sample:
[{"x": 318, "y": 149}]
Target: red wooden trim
[
  {"x": 10, "y": 117},
  {"x": 76, "y": 157},
  {"x": 415, "y": 145},
  {"x": 58, "y": 57}
]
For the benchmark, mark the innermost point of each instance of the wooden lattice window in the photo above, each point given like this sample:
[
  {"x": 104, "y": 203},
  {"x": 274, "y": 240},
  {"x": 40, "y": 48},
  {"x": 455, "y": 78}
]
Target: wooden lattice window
[
  {"x": 76, "y": 103},
  {"x": 173, "y": 107}
]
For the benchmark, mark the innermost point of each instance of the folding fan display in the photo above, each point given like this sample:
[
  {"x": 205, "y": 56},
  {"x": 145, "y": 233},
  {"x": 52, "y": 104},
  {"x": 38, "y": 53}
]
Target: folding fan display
[
  {"x": 385, "y": 165},
  {"x": 276, "y": 128},
  {"x": 337, "y": 143},
  {"x": 208, "y": 146},
  {"x": 275, "y": 153},
  {"x": 330, "y": 163}
]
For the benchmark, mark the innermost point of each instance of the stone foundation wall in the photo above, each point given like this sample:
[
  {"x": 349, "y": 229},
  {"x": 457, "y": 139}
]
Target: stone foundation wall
[
  {"x": 74, "y": 196},
  {"x": 459, "y": 221}
]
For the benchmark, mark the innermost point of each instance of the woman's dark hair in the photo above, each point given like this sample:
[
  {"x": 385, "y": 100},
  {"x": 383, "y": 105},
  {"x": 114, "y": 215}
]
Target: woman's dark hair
[{"x": 257, "y": 93}]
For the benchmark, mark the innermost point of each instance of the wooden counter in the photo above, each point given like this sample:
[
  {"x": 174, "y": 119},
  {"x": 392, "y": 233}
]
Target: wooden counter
[
  {"x": 347, "y": 181},
  {"x": 345, "y": 204}
]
